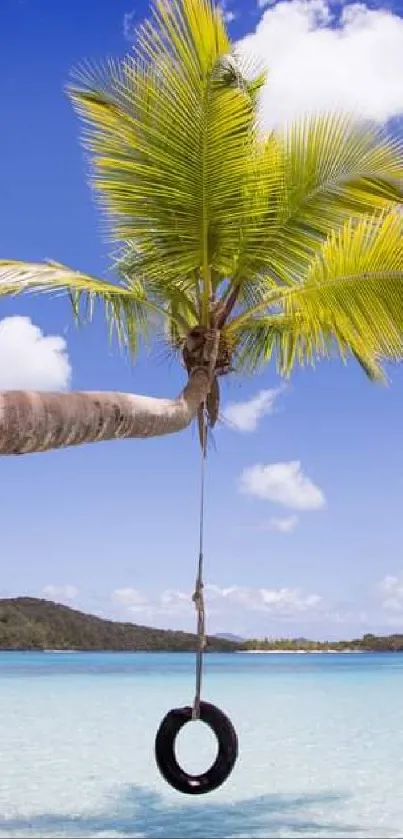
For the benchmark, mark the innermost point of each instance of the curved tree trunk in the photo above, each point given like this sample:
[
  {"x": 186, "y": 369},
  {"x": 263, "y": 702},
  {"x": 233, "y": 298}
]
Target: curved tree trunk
[{"x": 36, "y": 422}]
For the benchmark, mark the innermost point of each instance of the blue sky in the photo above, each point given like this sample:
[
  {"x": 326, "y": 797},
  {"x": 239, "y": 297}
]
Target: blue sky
[{"x": 305, "y": 484}]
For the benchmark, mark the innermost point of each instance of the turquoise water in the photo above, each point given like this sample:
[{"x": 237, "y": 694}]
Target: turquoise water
[{"x": 321, "y": 746}]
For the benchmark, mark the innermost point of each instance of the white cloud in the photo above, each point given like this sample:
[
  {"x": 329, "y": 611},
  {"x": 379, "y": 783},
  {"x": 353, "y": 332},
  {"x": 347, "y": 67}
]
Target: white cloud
[
  {"x": 289, "y": 601},
  {"x": 129, "y": 25},
  {"x": 390, "y": 591},
  {"x": 174, "y": 597},
  {"x": 319, "y": 62},
  {"x": 265, "y": 610},
  {"x": 283, "y": 602},
  {"x": 282, "y": 483},
  {"x": 66, "y": 592},
  {"x": 245, "y": 416},
  {"x": 30, "y": 360},
  {"x": 130, "y": 598},
  {"x": 171, "y": 605},
  {"x": 283, "y": 525}
]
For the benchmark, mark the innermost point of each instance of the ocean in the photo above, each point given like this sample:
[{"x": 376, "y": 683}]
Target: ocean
[{"x": 320, "y": 745}]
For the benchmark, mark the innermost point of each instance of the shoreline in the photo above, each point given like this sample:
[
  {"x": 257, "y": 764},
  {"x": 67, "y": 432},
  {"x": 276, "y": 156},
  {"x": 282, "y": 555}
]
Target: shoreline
[{"x": 302, "y": 652}]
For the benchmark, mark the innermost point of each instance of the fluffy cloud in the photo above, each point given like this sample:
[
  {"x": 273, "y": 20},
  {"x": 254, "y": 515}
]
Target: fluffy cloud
[
  {"x": 320, "y": 59},
  {"x": 66, "y": 592},
  {"x": 282, "y": 483},
  {"x": 283, "y": 602},
  {"x": 30, "y": 360},
  {"x": 245, "y": 416},
  {"x": 131, "y": 598}
]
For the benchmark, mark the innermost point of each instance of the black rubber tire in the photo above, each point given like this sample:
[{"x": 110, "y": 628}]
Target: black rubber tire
[{"x": 223, "y": 764}]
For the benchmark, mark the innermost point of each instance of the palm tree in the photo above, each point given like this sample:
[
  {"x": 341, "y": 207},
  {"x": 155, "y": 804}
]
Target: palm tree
[{"x": 249, "y": 247}]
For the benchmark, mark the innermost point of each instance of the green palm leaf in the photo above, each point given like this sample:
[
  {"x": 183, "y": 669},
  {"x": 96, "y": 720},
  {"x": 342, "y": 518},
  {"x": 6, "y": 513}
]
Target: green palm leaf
[
  {"x": 288, "y": 240},
  {"x": 329, "y": 169},
  {"x": 169, "y": 131},
  {"x": 126, "y": 308},
  {"x": 351, "y": 299}
]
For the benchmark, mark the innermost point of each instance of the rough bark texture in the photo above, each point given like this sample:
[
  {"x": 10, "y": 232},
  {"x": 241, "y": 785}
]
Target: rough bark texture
[{"x": 36, "y": 422}]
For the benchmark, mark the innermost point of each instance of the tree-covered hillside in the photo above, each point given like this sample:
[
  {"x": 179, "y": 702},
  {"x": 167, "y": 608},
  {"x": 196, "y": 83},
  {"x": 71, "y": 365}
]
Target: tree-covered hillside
[{"x": 29, "y": 623}]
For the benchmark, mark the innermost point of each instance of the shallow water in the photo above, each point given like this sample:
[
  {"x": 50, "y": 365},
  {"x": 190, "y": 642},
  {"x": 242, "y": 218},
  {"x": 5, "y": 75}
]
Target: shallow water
[{"x": 321, "y": 746}]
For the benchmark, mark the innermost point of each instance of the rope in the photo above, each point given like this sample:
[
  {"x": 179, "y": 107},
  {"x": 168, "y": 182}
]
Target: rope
[
  {"x": 212, "y": 344},
  {"x": 198, "y": 596}
]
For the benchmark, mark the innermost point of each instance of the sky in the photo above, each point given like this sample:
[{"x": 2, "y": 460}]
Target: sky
[{"x": 304, "y": 513}]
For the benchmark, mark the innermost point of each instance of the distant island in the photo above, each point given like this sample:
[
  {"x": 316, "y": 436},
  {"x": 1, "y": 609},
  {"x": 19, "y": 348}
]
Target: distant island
[
  {"x": 30, "y": 623},
  {"x": 229, "y": 636},
  {"x": 366, "y": 644}
]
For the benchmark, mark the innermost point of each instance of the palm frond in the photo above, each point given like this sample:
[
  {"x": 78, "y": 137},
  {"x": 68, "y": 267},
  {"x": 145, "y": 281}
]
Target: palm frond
[
  {"x": 168, "y": 131},
  {"x": 166, "y": 291},
  {"x": 290, "y": 341},
  {"x": 329, "y": 169},
  {"x": 127, "y": 310},
  {"x": 351, "y": 299},
  {"x": 291, "y": 241}
]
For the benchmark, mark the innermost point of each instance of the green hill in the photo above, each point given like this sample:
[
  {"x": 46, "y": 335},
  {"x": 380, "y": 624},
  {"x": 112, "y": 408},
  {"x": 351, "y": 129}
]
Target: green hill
[{"x": 29, "y": 623}]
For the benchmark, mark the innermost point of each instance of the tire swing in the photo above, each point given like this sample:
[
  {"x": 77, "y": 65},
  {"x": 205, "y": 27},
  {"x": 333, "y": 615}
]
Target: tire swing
[{"x": 175, "y": 719}]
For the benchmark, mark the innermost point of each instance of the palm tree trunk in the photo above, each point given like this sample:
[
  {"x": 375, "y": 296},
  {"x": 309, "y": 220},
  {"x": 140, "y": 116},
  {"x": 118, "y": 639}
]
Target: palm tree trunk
[{"x": 36, "y": 422}]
